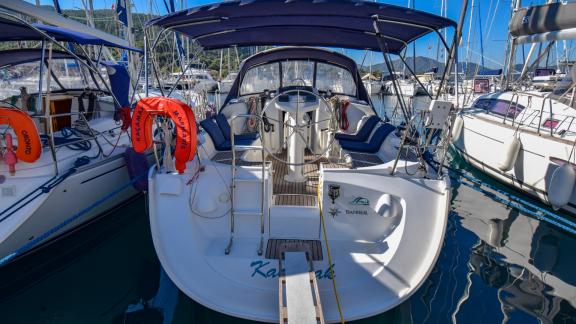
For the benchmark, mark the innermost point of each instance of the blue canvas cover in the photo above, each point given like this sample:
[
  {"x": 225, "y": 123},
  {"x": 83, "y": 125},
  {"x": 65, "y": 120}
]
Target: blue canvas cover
[
  {"x": 489, "y": 72},
  {"x": 119, "y": 82},
  {"x": 13, "y": 30},
  {"x": 329, "y": 23},
  {"x": 20, "y": 56}
]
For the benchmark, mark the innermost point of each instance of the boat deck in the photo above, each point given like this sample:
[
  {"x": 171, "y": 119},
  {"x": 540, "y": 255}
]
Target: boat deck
[{"x": 299, "y": 193}]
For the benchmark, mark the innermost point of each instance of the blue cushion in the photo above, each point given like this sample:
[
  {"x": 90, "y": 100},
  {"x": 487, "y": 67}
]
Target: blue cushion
[
  {"x": 364, "y": 132},
  {"x": 211, "y": 127},
  {"x": 227, "y": 145},
  {"x": 373, "y": 145},
  {"x": 225, "y": 128}
]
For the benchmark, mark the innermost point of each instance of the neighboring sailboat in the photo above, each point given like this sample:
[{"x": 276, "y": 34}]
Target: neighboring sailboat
[
  {"x": 526, "y": 138},
  {"x": 63, "y": 134},
  {"x": 296, "y": 182},
  {"x": 372, "y": 84}
]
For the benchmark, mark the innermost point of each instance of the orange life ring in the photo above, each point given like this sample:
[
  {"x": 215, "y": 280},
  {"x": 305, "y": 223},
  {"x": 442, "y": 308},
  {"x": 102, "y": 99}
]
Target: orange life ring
[
  {"x": 183, "y": 118},
  {"x": 29, "y": 144}
]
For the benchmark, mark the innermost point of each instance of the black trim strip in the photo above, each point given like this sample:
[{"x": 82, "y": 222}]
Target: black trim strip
[{"x": 103, "y": 174}]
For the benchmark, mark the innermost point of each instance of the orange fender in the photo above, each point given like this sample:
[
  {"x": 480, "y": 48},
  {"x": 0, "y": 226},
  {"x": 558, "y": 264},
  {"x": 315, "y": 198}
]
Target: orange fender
[
  {"x": 181, "y": 115},
  {"x": 29, "y": 144}
]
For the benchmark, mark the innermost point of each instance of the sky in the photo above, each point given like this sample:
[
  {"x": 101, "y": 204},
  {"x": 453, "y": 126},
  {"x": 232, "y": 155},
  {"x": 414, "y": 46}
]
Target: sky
[{"x": 490, "y": 16}]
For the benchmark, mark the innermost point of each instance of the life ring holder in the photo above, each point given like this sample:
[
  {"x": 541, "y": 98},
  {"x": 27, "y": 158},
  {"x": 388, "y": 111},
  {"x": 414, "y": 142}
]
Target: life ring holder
[{"x": 186, "y": 130}]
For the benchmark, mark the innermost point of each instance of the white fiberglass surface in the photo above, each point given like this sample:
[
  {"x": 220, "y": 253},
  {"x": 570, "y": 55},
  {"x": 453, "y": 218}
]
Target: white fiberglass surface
[{"x": 375, "y": 273}]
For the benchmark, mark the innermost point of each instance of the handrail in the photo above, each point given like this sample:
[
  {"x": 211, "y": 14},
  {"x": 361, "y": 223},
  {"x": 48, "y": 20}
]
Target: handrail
[
  {"x": 233, "y": 182},
  {"x": 515, "y": 94}
]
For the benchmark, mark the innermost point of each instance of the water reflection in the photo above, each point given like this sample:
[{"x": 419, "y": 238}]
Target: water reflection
[{"x": 499, "y": 265}]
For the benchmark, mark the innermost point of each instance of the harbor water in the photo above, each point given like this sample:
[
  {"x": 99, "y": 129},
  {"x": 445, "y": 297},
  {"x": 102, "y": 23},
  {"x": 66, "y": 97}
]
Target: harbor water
[{"x": 497, "y": 265}]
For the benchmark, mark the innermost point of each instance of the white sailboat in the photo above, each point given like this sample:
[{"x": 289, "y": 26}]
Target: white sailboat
[
  {"x": 297, "y": 203},
  {"x": 62, "y": 147},
  {"x": 526, "y": 138}
]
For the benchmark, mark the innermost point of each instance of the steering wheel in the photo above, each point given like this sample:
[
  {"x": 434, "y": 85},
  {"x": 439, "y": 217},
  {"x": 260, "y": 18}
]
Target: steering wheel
[{"x": 298, "y": 129}]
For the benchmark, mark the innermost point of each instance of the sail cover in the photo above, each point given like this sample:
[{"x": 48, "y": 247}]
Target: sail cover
[
  {"x": 329, "y": 23},
  {"x": 554, "y": 21}
]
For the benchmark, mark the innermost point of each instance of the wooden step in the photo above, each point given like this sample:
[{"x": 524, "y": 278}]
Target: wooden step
[{"x": 299, "y": 298}]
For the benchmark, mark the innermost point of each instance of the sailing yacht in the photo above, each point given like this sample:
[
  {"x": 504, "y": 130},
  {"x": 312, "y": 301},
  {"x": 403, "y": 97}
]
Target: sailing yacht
[
  {"x": 193, "y": 79},
  {"x": 62, "y": 137},
  {"x": 295, "y": 201},
  {"x": 226, "y": 83},
  {"x": 372, "y": 84},
  {"x": 525, "y": 138}
]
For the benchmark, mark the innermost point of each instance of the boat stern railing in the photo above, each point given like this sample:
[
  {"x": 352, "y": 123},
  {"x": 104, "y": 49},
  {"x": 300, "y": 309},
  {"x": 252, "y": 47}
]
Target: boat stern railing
[{"x": 541, "y": 119}]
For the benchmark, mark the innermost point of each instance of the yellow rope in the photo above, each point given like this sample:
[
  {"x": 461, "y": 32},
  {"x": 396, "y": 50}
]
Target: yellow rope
[{"x": 329, "y": 256}]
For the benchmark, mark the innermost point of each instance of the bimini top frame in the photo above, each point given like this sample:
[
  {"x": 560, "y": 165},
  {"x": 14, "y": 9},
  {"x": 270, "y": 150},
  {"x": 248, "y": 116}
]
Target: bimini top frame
[
  {"x": 328, "y": 23},
  {"x": 16, "y": 28}
]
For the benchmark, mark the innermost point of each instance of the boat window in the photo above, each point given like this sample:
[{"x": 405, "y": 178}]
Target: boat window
[
  {"x": 544, "y": 72},
  {"x": 93, "y": 80},
  {"x": 260, "y": 78},
  {"x": 68, "y": 73},
  {"x": 334, "y": 78},
  {"x": 499, "y": 107},
  {"x": 26, "y": 75},
  {"x": 297, "y": 73},
  {"x": 551, "y": 123}
]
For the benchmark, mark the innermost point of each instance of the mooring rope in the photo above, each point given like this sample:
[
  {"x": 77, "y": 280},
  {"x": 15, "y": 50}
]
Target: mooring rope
[{"x": 334, "y": 288}]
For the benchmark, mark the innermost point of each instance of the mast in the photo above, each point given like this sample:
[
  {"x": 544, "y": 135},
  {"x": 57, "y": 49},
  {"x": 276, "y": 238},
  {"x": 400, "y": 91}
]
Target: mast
[
  {"x": 413, "y": 44},
  {"x": 481, "y": 36},
  {"x": 469, "y": 36},
  {"x": 510, "y": 51},
  {"x": 129, "y": 34},
  {"x": 220, "y": 70}
]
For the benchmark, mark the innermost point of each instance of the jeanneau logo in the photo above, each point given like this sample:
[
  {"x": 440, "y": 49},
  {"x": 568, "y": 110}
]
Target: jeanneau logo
[{"x": 360, "y": 201}]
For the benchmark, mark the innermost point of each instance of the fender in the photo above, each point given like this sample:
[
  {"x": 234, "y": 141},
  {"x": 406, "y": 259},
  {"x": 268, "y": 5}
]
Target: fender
[
  {"x": 181, "y": 115},
  {"x": 29, "y": 144}
]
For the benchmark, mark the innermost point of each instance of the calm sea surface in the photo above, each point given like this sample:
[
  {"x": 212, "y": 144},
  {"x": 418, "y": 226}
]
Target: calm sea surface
[{"x": 497, "y": 265}]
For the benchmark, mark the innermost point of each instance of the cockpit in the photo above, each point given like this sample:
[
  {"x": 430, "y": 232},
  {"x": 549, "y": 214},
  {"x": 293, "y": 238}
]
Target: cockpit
[{"x": 299, "y": 105}]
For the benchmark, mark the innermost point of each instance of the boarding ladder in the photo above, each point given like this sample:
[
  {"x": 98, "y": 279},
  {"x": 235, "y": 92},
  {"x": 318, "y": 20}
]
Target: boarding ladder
[
  {"x": 235, "y": 180},
  {"x": 298, "y": 295}
]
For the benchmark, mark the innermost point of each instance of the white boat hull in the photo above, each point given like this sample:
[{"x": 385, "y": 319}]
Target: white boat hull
[
  {"x": 481, "y": 143},
  {"x": 77, "y": 192},
  {"x": 377, "y": 262}
]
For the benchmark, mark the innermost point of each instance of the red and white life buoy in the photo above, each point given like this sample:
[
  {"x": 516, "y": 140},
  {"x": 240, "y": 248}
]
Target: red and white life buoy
[
  {"x": 29, "y": 145},
  {"x": 181, "y": 115}
]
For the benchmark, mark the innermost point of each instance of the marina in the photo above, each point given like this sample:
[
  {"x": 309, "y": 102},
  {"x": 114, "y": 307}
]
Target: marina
[{"x": 260, "y": 161}]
